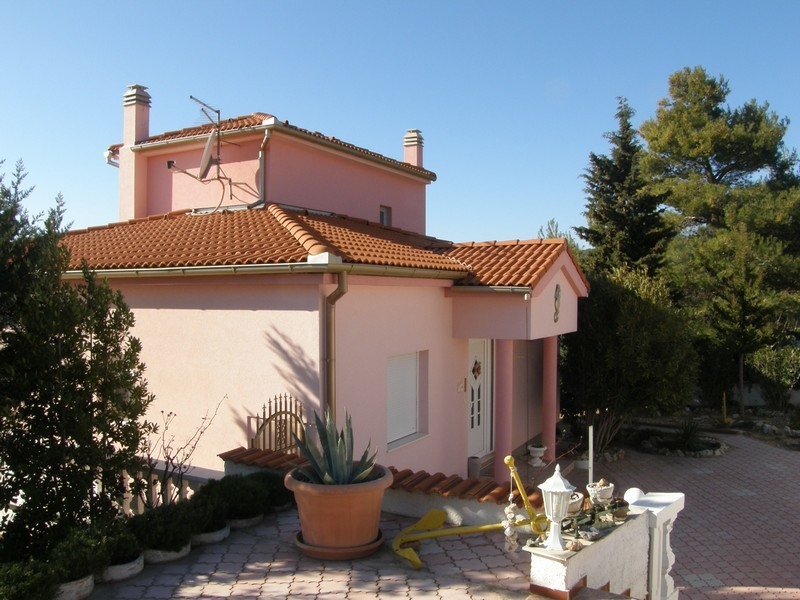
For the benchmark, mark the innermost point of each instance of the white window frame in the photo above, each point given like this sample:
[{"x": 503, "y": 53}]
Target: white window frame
[
  {"x": 385, "y": 215},
  {"x": 406, "y": 398}
]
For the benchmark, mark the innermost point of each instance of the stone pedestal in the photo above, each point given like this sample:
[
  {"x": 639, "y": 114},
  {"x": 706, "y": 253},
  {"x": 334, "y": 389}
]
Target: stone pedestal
[
  {"x": 634, "y": 559},
  {"x": 661, "y": 510},
  {"x": 617, "y": 562}
]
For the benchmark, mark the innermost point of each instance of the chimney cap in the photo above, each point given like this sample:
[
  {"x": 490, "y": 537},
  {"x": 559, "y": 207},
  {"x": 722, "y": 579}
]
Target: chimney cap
[
  {"x": 136, "y": 94},
  {"x": 413, "y": 137}
]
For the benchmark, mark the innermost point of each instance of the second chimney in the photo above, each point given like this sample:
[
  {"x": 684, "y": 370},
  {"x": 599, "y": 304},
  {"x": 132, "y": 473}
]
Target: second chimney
[{"x": 412, "y": 147}]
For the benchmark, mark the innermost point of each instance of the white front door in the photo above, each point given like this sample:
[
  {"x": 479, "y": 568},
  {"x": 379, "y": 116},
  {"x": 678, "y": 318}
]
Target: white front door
[{"x": 479, "y": 398}]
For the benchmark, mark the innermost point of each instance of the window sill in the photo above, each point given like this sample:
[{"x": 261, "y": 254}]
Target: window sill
[{"x": 404, "y": 441}]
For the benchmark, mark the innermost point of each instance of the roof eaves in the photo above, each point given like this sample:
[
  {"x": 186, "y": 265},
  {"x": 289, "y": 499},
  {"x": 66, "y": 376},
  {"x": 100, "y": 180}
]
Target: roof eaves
[
  {"x": 274, "y": 268},
  {"x": 352, "y": 149},
  {"x": 169, "y": 138}
]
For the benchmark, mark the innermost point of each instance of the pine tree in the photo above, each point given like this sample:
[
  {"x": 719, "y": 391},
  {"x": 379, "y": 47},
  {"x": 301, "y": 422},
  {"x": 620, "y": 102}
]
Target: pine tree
[
  {"x": 625, "y": 225},
  {"x": 728, "y": 177}
]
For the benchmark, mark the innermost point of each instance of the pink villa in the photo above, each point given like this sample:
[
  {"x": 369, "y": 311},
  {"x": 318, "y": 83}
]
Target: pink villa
[{"x": 261, "y": 258}]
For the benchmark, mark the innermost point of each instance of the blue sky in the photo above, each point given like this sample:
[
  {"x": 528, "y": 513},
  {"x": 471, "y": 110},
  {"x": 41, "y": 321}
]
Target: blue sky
[{"x": 510, "y": 96}]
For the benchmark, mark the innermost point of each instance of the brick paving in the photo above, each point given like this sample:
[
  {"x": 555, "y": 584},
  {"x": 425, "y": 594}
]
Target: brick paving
[{"x": 733, "y": 540}]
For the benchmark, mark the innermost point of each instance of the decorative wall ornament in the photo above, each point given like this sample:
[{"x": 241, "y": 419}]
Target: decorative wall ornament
[{"x": 557, "y": 303}]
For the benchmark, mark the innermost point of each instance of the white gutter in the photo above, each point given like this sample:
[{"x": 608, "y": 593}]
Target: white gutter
[
  {"x": 490, "y": 289},
  {"x": 354, "y": 269},
  {"x": 195, "y": 138}
]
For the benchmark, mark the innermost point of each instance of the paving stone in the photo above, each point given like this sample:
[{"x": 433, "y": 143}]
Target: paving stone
[{"x": 716, "y": 558}]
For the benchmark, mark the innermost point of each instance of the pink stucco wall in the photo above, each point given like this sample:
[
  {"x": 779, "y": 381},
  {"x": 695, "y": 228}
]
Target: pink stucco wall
[
  {"x": 297, "y": 173},
  {"x": 302, "y": 174},
  {"x": 247, "y": 338},
  {"x": 240, "y": 338},
  {"x": 516, "y": 317},
  {"x": 170, "y": 189},
  {"x": 376, "y": 322}
]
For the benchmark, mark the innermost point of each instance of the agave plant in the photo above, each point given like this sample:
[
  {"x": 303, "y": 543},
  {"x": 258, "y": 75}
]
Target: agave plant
[{"x": 331, "y": 462}]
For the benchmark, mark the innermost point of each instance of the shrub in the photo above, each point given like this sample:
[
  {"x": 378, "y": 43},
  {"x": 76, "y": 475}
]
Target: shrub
[
  {"x": 31, "y": 580},
  {"x": 242, "y": 497},
  {"x": 119, "y": 543},
  {"x": 78, "y": 555},
  {"x": 277, "y": 492},
  {"x": 207, "y": 513},
  {"x": 167, "y": 527},
  {"x": 687, "y": 438}
]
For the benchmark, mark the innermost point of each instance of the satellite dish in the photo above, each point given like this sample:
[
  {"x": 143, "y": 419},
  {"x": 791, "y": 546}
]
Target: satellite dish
[{"x": 205, "y": 160}]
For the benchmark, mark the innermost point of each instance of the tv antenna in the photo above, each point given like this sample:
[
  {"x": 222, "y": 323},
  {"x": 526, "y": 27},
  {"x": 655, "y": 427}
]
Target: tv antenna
[{"x": 213, "y": 139}]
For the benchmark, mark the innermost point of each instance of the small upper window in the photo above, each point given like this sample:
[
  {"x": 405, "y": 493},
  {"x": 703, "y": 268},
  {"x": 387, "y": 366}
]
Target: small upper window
[{"x": 386, "y": 216}]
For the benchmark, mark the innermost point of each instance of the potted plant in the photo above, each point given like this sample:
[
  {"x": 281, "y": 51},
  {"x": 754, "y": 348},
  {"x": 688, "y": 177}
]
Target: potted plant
[
  {"x": 209, "y": 520},
  {"x": 601, "y": 491},
  {"x": 164, "y": 531},
  {"x": 75, "y": 560},
  {"x": 338, "y": 499},
  {"x": 124, "y": 552},
  {"x": 536, "y": 450},
  {"x": 278, "y": 497},
  {"x": 243, "y": 498}
]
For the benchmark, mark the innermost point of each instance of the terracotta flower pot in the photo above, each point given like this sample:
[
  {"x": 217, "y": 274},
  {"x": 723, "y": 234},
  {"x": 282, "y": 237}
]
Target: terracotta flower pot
[{"x": 340, "y": 522}]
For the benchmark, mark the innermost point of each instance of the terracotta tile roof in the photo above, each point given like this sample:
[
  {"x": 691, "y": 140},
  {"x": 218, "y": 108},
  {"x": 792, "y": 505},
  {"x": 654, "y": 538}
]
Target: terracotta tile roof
[
  {"x": 256, "y": 120},
  {"x": 277, "y": 235},
  {"x": 510, "y": 263},
  {"x": 454, "y": 486},
  {"x": 271, "y": 235},
  {"x": 185, "y": 240},
  {"x": 234, "y": 124}
]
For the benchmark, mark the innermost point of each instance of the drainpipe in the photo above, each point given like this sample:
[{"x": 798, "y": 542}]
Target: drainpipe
[
  {"x": 262, "y": 167},
  {"x": 330, "y": 341}
]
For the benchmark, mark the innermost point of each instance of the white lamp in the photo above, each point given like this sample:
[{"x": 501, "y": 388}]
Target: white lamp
[{"x": 556, "y": 493}]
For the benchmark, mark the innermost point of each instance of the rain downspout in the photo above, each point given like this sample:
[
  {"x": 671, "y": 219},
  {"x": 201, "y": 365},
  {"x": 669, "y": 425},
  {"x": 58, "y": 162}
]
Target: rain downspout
[
  {"x": 330, "y": 341},
  {"x": 262, "y": 169}
]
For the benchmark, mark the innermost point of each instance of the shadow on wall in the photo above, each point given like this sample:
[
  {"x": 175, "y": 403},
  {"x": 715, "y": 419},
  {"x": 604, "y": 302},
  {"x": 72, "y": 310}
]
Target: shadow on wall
[
  {"x": 298, "y": 373},
  {"x": 295, "y": 367}
]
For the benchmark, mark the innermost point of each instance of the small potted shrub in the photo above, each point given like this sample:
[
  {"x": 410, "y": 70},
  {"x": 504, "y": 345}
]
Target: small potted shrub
[
  {"x": 31, "y": 580},
  {"x": 244, "y": 499},
  {"x": 338, "y": 499},
  {"x": 278, "y": 496},
  {"x": 124, "y": 551},
  {"x": 74, "y": 561},
  {"x": 209, "y": 520},
  {"x": 165, "y": 532}
]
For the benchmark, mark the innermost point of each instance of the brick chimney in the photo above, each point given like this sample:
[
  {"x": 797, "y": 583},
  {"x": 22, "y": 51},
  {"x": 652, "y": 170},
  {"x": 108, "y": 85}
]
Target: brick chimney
[
  {"x": 412, "y": 147},
  {"x": 133, "y": 166}
]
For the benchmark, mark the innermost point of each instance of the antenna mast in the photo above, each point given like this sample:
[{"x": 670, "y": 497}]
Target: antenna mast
[{"x": 205, "y": 108}]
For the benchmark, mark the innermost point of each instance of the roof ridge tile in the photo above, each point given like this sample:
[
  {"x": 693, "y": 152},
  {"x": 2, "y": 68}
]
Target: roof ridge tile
[{"x": 312, "y": 244}]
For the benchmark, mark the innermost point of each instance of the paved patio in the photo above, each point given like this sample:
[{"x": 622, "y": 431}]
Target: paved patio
[{"x": 729, "y": 544}]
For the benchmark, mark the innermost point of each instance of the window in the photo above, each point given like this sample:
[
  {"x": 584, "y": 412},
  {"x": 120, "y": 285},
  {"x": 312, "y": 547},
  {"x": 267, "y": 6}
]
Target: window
[
  {"x": 407, "y": 398},
  {"x": 386, "y": 216}
]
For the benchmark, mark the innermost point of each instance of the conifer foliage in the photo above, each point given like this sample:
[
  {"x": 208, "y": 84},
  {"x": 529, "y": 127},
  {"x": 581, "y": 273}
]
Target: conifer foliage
[
  {"x": 625, "y": 226},
  {"x": 72, "y": 394}
]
